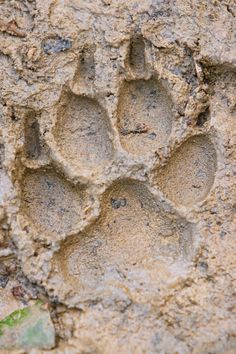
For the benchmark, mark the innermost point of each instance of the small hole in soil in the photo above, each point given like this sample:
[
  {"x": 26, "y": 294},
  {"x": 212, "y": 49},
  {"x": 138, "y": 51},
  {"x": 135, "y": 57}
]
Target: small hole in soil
[{"x": 203, "y": 117}]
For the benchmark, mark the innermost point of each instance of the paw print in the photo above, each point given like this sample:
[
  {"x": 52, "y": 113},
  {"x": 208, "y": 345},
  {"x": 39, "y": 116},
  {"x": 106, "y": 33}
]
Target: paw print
[{"x": 115, "y": 193}]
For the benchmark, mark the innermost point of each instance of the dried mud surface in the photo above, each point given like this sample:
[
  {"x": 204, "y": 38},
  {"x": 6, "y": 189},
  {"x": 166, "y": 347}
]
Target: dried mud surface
[{"x": 117, "y": 172}]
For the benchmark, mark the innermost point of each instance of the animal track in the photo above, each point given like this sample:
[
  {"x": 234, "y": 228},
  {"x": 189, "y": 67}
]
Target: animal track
[
  {"x": 135, "y": 232},
  {"x": 189, "y": 173},
  {"x": 144, "y": 116},
  {"x": 82, "y": 132},
  {"x": 51, "y": 202}
]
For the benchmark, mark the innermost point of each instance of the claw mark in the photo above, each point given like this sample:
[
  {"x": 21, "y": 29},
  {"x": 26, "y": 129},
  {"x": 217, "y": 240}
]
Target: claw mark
[
  {"x": 203, "y": 117},
  {"x": 137, "y": 53}
]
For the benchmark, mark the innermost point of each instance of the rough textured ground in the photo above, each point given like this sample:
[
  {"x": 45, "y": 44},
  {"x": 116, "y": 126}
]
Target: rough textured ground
[{"x": 117, "y": 173}]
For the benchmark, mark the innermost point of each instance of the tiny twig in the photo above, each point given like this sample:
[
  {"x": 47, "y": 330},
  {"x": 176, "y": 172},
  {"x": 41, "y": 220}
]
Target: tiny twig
[{"x": 139, "y": 129}]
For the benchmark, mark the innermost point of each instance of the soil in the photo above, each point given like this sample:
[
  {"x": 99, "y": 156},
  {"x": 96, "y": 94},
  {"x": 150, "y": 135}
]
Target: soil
[{"x": 117, "y": 172}]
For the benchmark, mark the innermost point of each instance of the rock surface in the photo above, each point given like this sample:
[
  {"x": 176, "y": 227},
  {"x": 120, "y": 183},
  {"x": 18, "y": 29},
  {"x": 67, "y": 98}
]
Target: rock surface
[{"x": 117, "y": 172}]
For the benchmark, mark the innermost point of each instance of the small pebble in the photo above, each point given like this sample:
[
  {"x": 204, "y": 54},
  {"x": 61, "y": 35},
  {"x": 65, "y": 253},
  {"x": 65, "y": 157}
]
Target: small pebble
[
  {"x": 3, "y": 281},
  {"x": 56, "y": 45},
  {"x": 117, "y": 203},
  {"x": 152, "y": 136}
]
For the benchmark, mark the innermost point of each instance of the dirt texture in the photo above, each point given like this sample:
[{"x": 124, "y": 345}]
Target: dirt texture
[{"x": 117, "y": 172}]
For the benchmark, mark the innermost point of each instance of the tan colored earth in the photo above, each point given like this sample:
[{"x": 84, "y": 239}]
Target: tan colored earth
[{"x": 118, "y": 172}]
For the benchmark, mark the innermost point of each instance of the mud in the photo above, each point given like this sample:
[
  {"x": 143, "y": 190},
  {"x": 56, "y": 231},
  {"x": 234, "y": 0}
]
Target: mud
[{"x": 117, "y": 172}]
